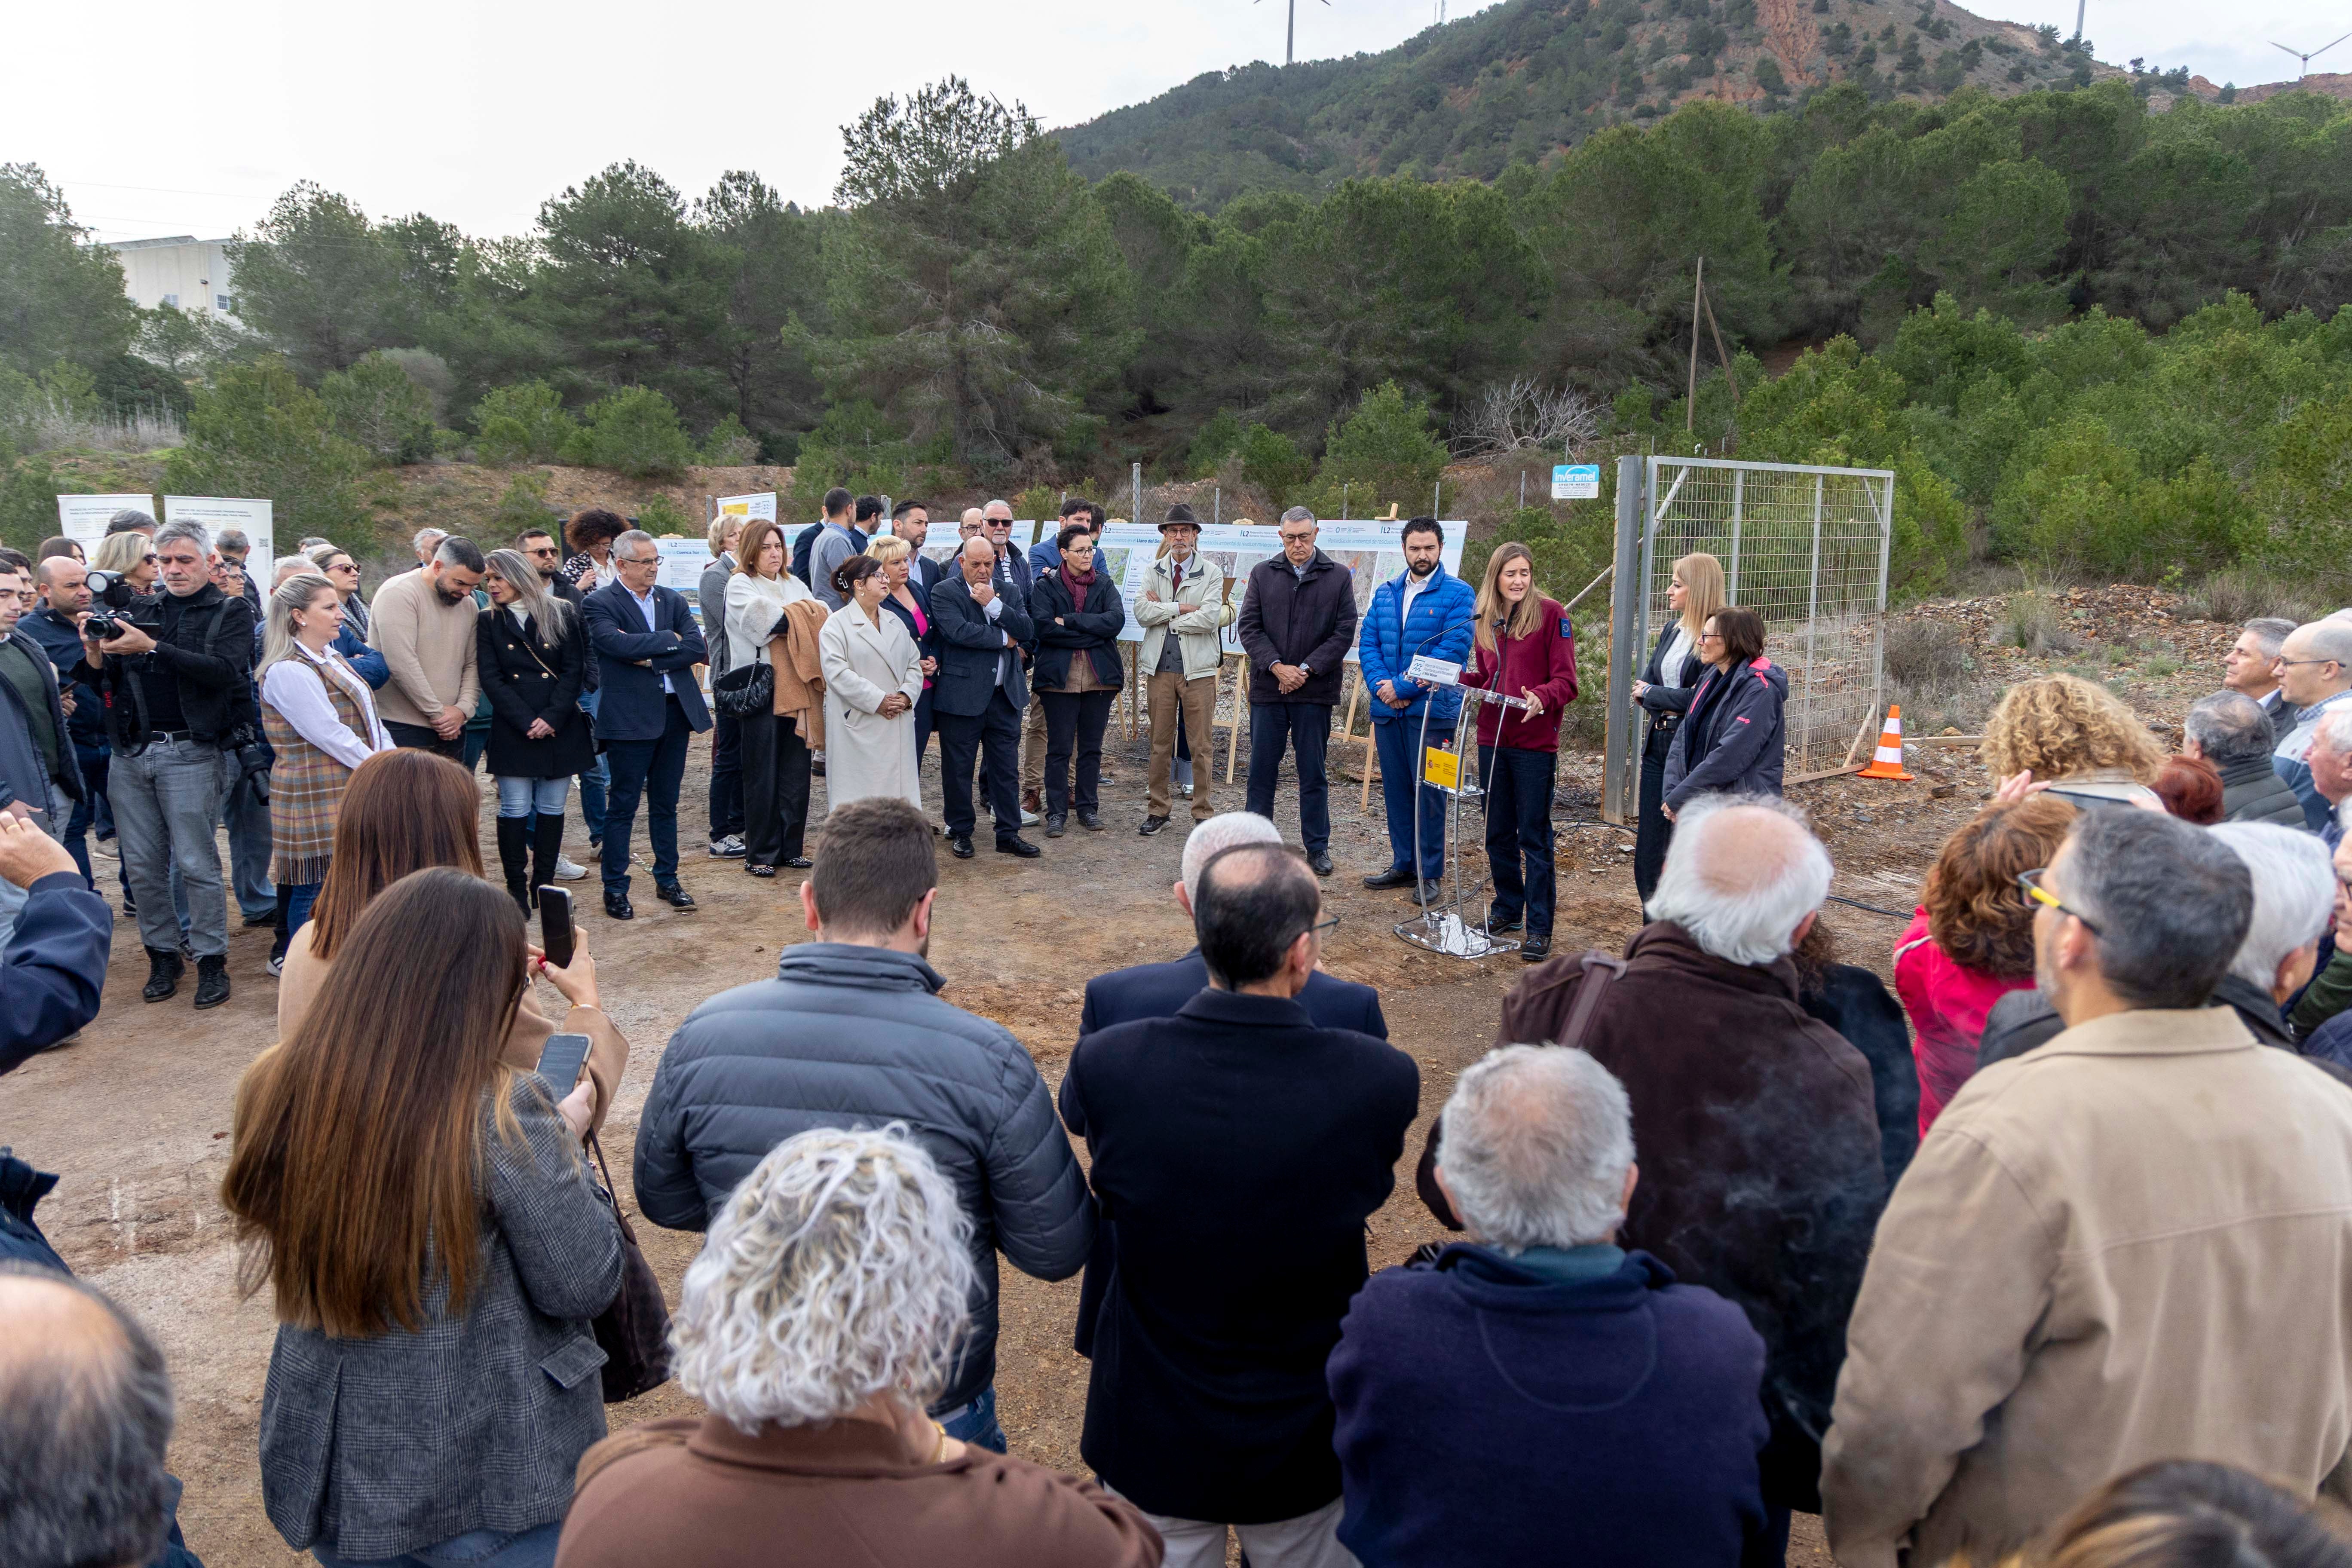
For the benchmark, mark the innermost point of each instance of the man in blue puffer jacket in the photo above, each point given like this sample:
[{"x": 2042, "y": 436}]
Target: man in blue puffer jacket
[
  {"x": 852, "y": 1033},
  {"x": 1423, "y": 609}
]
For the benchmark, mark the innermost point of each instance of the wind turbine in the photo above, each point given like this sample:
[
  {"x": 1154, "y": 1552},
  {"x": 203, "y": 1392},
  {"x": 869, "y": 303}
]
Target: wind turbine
[
  {"x": 2307, "y": 59},
  {"x": 1290, "y": 33}
]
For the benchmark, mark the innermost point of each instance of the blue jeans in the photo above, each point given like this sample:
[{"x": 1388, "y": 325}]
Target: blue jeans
[
  {"x": 1398, "y": 741},
  {"x": 975, "y": 1423},
  {"x": 532, "y": 1548},
  {"x": 246, "y": 816},
  {"x": 298, "y": 898},
  {"x": 1519, "y": 832},
  {"x": 86, "y": 810},
  {"x": 521, "y": 797},
  {"x": 595, "y": 781},
  {"x": 1305, "y": 728},
  {"x": 167, "y": 800},
  {"x": 654, "y": 770}
]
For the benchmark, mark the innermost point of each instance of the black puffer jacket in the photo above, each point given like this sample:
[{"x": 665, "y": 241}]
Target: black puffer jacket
[{"x": 857, "y": 1037}]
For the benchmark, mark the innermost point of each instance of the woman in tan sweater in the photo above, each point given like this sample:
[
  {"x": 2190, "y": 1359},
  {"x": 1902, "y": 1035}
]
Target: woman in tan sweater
[{"x": 404, "y": 811}]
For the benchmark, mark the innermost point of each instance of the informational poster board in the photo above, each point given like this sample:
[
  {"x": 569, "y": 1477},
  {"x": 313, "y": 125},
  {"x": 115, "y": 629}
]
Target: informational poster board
[
  {"x": 1372, "y": 551},
  {"x": 944, "y": 539},
  {"x": 82, "y": 519},
  {"x": 1576, "y": 482},
  {"x": 252, "y": 517},
  {"x": 683, "y": 562},
  {"x": 760, "y": 504}
]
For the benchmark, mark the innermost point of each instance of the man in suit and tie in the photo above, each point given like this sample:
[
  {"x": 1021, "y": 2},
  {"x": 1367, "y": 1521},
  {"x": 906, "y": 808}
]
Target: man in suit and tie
[
  {"x": 979, "y": 695},
  {"x": 1158, "y": 990},
  {"x": 649, "y": 707}
]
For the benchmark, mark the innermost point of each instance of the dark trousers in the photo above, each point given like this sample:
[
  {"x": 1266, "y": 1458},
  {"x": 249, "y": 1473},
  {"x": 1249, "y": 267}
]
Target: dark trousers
[
  {"x": 1519, "y": 832},
  {"x": 1306, "y": 729},
  {"x": 994, "y": 735},
  {"x": 726, "y": 775},
  {"x": 775, "y": 789},
  {"x": 85, "y": 811},
  {"x": 1398, "y": 741},
  {"x": 1651, "y": 831},
  {"x": 423, "y": 738},
  {"x": 1073, "y": 719},
  {"x": 926, "y": 720},
  {"x": 653, "y": 768}
]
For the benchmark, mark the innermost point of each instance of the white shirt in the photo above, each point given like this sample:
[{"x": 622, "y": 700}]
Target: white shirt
[
  {"x": 1678, "y": 648},
  {"x": 299, "y": 695},
  {"x": 645, "y": 608},
  {"x": 993, "y": 609},
  {"x": 1413, "y": 588}
]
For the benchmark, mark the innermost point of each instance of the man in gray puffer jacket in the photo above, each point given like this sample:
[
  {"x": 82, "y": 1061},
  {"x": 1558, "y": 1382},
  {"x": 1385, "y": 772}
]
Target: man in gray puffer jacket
[
  {"x": 2230, "y": 731},
  {"x": 850, "y": 1033}
]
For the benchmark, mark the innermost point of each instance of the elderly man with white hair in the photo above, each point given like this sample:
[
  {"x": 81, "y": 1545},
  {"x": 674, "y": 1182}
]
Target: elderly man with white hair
[
  {"x": 1157, "y": 990},
  {"x": 1540, "y": 1372},
  {"x": 1761, "y": 1175},
  {"x": 824, "y": 1310}
]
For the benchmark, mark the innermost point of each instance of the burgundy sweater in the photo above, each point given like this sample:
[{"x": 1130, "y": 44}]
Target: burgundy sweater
[{"x": 1543, "y": 661}]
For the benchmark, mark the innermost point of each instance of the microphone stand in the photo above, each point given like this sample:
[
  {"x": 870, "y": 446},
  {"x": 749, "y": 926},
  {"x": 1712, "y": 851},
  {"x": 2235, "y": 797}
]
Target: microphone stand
[{"x": 1440, "y": 926}]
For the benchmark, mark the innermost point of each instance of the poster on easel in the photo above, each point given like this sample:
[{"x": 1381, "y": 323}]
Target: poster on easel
[
  {"x": 254, "y": 519},
  {"x": 1371, "y": 550},
  {"x": 83, "y": 518},
  {"x": 759, "y": 504}
]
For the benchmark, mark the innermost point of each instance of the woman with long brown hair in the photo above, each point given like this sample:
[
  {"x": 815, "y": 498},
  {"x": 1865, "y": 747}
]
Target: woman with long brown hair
[
  {"x": 775, "y": 753},
  {"x": 406, "y": 810},
  {"x": 1522, "y": 646},
  {"x": 421, "y": 1213},
  {"x": 1694, "y": 593}
]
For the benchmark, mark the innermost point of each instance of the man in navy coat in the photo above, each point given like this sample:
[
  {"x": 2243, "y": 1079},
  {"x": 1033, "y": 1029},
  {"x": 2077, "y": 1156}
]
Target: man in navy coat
[
  {"x": 647, "y": 645},
  {"x": 1158, "y": 990}
]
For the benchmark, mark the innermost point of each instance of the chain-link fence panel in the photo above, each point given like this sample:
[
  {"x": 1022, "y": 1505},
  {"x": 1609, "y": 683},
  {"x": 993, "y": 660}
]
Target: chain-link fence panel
[{"x": 1804, "y": 547}]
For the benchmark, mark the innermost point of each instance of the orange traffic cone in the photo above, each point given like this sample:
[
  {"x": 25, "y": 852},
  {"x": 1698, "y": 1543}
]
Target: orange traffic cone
[{"x": 1888, "y": 762}]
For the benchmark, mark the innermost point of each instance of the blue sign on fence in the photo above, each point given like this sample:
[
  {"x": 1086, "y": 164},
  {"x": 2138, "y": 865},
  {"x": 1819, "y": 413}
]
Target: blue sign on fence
[{"x": 1576, "y": 482}]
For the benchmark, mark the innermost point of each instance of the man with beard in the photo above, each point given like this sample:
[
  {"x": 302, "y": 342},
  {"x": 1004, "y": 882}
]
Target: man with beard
[
  {"x": 1423, "y": 609},
  {"x": 422, "y": 624}
]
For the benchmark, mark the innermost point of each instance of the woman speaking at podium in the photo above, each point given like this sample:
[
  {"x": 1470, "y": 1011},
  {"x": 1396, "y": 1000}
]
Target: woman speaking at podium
[{"x": 1521, "y": 645}]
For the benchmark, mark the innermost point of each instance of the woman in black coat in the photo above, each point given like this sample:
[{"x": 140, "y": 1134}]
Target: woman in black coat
[
  {"x": 1664, "y": 694},
  {"x": 1078, "y": 613},
  {"x": 532, "y": 651}
]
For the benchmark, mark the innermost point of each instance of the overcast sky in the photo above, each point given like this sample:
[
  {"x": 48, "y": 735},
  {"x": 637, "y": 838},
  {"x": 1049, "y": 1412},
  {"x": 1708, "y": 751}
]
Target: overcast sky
[{"x": 162, "y": 120}]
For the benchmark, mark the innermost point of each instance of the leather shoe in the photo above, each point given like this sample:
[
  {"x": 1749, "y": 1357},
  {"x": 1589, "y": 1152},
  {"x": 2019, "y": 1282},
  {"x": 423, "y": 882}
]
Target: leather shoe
[
  {"x": 1091, "y": 821},
  {"x": 960, "y": 845},
  {"x": 1056, "y": 823},
  {"x": 1394, "y": 877},
  {"x": 1429, "y": 893},
  {"x": 1016, "y": 844},
  {"x": 1320, "y": 863},
  {"x": 798, "y": 862},
  {"x": 1152, "y": 825},
  {"x": 1497, "y": 924},
  {"x": 616, "y": 905},
  {"x": 1536, "y": 948},
  {"x": 675, "y": 896}
]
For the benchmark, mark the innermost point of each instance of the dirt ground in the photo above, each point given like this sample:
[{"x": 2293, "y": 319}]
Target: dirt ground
[{"x": 134, "y": 1117}]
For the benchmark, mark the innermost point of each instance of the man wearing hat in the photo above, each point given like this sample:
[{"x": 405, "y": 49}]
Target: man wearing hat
[{"x": 1180, "y": 610}]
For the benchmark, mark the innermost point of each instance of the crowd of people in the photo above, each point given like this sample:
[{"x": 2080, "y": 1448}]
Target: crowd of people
[{"x": 2036, "y": 1260}]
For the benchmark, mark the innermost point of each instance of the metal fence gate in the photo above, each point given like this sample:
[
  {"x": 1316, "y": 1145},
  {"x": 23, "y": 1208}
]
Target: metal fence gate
[{"x": 1804, "y": 547}]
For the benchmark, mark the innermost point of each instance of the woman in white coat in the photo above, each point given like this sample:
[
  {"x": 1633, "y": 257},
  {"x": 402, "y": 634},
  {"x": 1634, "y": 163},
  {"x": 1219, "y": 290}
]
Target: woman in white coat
[{"x": 873, "y": 676}]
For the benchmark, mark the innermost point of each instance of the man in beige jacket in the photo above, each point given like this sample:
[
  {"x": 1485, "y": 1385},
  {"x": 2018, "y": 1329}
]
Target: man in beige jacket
[
  {"x": 1182, "y": 607},
  {"x": 423, "y": 623},
  {"x": 2129, "y": 1244}
]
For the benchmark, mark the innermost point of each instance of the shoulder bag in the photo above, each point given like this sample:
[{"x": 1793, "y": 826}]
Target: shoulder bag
[{"x": 633, "y": 1331}]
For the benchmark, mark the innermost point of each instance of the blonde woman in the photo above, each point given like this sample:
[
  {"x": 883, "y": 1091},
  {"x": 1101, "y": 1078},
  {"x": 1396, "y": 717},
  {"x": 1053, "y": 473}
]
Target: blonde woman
[
  {"x": 1521, "y": 644},
  {"x": 1664, "y": 691},
  {"x": 908, "y": 597},
  {"x": 775, "y": 755},
  {"x": 320, "y": 719},
  {"x": 2062, "y": 733}
]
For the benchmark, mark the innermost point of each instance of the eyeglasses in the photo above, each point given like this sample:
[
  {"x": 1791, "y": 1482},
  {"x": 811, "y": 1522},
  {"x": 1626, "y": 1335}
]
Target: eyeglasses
[
  {"x": 350, "y": 566},
  {"x": 1710, "y": 637},
  {"x": 2293, "y": 663},
  {"x": 636, "y": 560},
  {"x": 2030, "y": 883},
  {"x": 1319, "y": 927},
  {"x": 548, "y": 550}
]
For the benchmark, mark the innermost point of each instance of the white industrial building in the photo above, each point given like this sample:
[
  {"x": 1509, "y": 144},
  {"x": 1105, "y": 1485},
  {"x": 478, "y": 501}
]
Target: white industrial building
[{"x": 184, "y": 271}]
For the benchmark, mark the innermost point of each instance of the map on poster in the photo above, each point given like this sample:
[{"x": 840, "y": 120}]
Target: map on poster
[
  {"x": 82, "y": 519},
  {"x": 1372, "y": 551},
  {"x": 682, "y": 564},
  {"x": 250, "y": 517},
  {"x": 762, "y": 503}
]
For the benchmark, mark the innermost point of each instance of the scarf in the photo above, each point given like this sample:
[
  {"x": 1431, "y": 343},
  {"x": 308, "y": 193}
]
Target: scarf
[{"x": 1077, "y": 585}]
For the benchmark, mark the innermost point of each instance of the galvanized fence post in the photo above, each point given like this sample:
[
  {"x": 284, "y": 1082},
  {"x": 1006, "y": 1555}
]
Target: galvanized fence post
[{"x": 1620, "y": 765}]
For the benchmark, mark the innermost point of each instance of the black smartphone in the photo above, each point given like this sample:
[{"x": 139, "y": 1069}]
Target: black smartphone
[
  {"x": 555, "y": 926},
  {"x": 560, "y": 1062}
]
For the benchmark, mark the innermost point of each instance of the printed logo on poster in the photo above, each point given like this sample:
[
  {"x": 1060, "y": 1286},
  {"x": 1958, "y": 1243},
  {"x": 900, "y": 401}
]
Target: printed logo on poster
[{"x": 1576, "y": 482}]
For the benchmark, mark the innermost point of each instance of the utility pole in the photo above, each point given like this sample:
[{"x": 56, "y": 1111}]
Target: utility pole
[
  {"x": 2080, "y": 7},
  {"x": 1690, "y": 399}
]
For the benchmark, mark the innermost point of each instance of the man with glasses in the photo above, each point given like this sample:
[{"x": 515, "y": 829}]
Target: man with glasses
[
  {"x": 1235, "y": 1203},
  {"x": 1297, "y": 621},
  {"x": 2102, "y": 1248},
  {"x": 2314, "y": 673},
  {"x": 55, "y": 623},
  {"x": 177, "y": 677},
  {"x": 649, "y": 707},
  {"x": 423, "y": 625}
]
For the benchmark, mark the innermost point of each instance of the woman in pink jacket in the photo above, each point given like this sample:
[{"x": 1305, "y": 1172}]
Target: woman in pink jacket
[
  {"x": 1971, "y": 943},
  {"x": 1522, "y": 646}
]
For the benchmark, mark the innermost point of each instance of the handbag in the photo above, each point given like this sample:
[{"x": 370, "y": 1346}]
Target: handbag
[
  {"x": 633, "y": 1331},
  {"x": 1542, "y": 1007},
  {"x": 741, "y": 693}
]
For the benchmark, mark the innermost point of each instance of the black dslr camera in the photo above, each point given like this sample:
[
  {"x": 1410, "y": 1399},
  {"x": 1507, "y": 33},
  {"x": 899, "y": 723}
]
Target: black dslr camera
[{"x": 116, "y": 605}]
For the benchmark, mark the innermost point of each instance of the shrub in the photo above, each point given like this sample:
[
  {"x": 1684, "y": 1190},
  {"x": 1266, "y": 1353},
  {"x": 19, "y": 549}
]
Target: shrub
[
  {"x": 1272, "y": 462},
  {"x": 1220, "y": 439},
  {"x": 28, "y": 504},
  {"x": 431, "y": 374},
  {"x": 524, "y": 505},
  {"x": 2032, "y": 620},
  {"x": 634, "y": 431},
  {"x": 1925, "y": 655},
  {"x": 729, "y": 446},
  {"x": 1383, "y": 452},
  {"x": 1039, "y": 502},
  {"x": 258, "y": 432},
  {"x": 665, "y": 518},
  {"x": 523, "y": 424},
  {"x": 377, "y": 408},
  {"x": 2235, "y": 597}
]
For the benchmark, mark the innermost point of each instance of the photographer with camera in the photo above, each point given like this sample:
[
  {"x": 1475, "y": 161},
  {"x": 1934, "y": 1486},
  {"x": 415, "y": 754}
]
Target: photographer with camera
[{"x": 175, "y": 668}]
